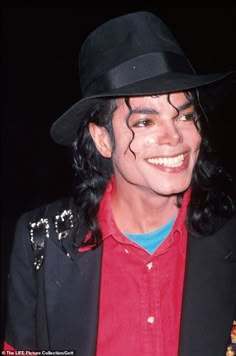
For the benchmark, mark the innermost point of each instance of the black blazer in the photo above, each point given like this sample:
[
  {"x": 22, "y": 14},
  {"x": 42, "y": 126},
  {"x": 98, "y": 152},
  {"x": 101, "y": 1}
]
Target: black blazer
[{"x": 56, "y": 308}]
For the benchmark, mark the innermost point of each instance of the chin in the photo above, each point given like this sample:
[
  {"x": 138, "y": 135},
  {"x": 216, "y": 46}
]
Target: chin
[{"x": 175, "y": 190}]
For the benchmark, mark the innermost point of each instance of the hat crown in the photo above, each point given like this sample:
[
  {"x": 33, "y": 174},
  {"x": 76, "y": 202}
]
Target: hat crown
[
  {"x": 130, "y": 55},
  {"x": 122, "y": 39}
]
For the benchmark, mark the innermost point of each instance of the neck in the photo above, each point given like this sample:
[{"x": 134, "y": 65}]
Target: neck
[{"x": 144, "y": 212}]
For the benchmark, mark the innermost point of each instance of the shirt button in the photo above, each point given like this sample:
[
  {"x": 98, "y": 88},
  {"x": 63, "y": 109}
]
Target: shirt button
[
  {"x": 149, "y": 265},
  {"x": 151, "y": 319},
  {"x": 126, "y": 251}
]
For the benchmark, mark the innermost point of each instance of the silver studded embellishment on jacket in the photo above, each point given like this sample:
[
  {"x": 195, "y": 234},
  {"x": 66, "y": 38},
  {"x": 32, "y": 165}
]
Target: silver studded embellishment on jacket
[{"x": 38, "y": 230}]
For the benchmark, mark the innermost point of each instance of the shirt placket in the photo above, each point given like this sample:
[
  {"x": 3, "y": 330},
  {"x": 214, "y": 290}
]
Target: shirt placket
[{"x": 150, "y": 309}]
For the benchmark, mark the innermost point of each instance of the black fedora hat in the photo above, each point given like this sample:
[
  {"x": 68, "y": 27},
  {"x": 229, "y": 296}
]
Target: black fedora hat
[{"x": 130, "y": 55}]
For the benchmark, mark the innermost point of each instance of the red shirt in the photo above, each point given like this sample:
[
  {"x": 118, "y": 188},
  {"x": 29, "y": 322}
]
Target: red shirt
[{"x": 141, "y": 293}]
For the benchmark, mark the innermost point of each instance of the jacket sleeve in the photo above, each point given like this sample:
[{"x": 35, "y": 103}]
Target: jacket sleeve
[{"x": 21, "y": 297}]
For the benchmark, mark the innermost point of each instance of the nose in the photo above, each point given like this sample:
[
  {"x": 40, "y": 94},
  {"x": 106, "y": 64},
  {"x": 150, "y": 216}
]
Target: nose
[{"x": 168, "y": 134}]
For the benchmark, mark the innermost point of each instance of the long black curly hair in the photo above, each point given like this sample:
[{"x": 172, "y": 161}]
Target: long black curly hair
[{"x": 212, "y": 190}]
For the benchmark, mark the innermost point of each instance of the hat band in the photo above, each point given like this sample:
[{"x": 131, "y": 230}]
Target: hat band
[{"x": 139, "y": 68}]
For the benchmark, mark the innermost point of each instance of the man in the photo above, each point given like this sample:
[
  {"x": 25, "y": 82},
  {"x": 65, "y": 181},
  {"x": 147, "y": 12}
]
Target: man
[{"x": 140, "y": 261}]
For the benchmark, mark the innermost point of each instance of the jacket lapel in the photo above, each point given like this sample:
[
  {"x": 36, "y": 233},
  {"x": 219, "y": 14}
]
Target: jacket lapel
[
  {"x": 72, "y": 297},
  {"x": 207, "y": 304}
]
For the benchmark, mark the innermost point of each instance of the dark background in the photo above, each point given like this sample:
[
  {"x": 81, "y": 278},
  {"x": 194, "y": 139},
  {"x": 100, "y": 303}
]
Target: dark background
[{"x": 40, "y": 81}]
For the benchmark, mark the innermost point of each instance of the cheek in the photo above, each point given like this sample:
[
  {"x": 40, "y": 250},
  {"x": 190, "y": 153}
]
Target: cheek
[
  {"x": 192, "y": 138},
  {"x": 195, "y": 144},
  {"x": 198, "y": 141},
  {"x": 143, "y": 141},
  {"x": 150, "y": 140}
]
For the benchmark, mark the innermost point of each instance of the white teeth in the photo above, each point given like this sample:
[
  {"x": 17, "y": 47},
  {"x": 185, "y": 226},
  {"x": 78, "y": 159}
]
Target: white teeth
[{"x": 168, "y": 162}]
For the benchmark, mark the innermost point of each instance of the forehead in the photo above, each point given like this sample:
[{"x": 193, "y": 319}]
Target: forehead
[{"x": 156, "y": 102}]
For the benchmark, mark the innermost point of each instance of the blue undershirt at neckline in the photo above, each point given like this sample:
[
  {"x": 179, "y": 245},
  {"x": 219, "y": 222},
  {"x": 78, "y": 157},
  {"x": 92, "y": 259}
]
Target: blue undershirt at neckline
[{"x": 151, "y": 240}]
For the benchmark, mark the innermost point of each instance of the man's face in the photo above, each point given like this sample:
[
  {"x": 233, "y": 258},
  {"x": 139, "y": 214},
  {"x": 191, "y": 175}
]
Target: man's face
[{"x": 161, "y": 155}]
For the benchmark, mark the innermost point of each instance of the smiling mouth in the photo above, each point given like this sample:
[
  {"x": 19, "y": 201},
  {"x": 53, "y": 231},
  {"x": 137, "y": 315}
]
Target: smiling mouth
[{"x": 171, "y": 162}]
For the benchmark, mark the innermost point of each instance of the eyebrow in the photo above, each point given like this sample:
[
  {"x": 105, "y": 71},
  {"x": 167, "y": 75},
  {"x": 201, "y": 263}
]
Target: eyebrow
[
  {"x": 145, "y": 110},
  {"x": 184, "y": 106}
]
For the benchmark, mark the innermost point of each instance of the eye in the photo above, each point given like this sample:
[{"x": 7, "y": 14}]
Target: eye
[
  {"x": 187, "y": 117},
  {"x": 143, "y": 123}
]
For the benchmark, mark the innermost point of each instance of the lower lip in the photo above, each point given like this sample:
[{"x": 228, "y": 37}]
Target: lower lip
[{"x": 181, "y": 168}]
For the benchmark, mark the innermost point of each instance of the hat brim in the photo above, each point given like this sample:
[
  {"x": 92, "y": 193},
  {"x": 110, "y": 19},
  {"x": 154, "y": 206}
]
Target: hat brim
[{"x": 64, "y": 129}]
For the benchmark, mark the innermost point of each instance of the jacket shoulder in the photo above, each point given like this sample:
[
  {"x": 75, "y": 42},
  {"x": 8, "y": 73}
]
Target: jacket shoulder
[
  {"x": 226, "y": 236},
  {"x": 54, "y": 220},
  {"x": 229, "y": 227},
  {"x": 50, "y": 209}
]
